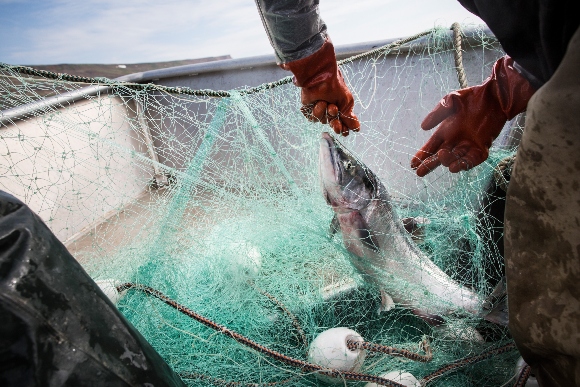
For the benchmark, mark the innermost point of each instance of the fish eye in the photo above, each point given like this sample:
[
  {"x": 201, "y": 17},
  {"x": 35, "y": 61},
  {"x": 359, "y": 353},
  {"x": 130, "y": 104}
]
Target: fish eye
[{"x": 347, "y": 164}]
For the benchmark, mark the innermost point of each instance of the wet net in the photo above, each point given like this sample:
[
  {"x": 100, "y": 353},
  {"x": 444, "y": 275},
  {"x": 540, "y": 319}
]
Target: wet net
[{"x": 214, "y": 199}]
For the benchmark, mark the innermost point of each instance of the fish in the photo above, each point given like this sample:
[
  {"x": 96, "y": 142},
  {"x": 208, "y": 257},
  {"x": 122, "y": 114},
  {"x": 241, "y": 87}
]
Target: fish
[
  {"x": 495, "y": 306},
  {"x": 381, "y": 249}
]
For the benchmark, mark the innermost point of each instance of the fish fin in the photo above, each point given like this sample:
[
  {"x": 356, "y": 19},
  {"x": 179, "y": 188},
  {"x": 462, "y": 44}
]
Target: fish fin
[
  {"x": 409, "y": 224},
  {"x": 415, "y": 226},
  {"x": 387, "y": 302},
  {"x": 495, "y": 306},
  {"x": 334, "y": 226},
  {"x": 499, "y": 292},
  {"x": 499, "y": 314}
]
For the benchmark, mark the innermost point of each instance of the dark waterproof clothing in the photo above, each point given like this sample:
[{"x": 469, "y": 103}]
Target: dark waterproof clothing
[
  {"x": 535, "y": 33},
  {"x": 542, "y": 229},
  {"x": 57, "y": 328}
]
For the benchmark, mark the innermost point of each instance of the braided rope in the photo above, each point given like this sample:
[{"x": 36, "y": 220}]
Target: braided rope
[
  {"x": 503, "y": 168},
  {"x": 458, "y": 55},
  {"x": 467, "y": 361},
  {"x": 354, "y": 345},
  {"x": 292, "y": 317},
  {"x": 311, "y": 368},
  {"x": 523, "y": 376},
  {"x": 302, "y": 365},
  {"x": 52, "y": 75}
]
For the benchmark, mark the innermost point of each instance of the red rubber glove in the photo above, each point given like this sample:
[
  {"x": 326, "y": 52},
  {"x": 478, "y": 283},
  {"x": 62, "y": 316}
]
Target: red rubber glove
[
  {"x": 471, "y": 119},
  {"x": 325, "y": 96}
]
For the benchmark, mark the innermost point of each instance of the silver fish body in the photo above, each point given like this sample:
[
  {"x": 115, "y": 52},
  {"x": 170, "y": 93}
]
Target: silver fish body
[{"x": 382, "y": 251}]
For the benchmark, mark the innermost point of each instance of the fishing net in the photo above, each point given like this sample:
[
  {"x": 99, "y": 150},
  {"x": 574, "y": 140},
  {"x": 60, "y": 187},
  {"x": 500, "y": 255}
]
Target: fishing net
[{"x": 214, "y": 199}]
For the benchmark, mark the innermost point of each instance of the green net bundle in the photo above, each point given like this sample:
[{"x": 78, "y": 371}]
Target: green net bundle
[{"x": 228, "y": 218}]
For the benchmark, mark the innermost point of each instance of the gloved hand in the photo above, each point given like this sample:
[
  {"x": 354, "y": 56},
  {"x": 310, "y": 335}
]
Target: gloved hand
[
  {"x": 471, "y": 119},
  {"x": 325, "y": 96}
]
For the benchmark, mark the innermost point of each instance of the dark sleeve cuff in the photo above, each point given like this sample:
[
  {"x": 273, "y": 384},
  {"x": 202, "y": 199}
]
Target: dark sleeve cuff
[{"x": 535, "y": 82}]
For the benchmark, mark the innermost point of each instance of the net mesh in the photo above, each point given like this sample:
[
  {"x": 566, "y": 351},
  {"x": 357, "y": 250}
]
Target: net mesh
[{"x": 216, "y": 202}]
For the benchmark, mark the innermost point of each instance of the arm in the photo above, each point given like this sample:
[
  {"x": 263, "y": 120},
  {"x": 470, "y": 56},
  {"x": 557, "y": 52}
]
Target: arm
[
  {"x": 294, "y": 28},
  {"x": 302, "y": 46}
]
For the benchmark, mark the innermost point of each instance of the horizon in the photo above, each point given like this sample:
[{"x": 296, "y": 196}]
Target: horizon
[{"x": 101, "y": 32}]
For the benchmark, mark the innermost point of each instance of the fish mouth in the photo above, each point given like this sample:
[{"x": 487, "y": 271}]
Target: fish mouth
[
  {"x": 330, "y": 172},
  {"x": 335, "y": 179}
]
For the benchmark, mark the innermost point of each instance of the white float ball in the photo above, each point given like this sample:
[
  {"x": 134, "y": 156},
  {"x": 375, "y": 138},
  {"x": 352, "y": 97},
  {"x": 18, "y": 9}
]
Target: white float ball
[
  {"x": 329, "y": 350},
  {"x": 404, "y": 378},
  {"x": 109, "y": 287}
]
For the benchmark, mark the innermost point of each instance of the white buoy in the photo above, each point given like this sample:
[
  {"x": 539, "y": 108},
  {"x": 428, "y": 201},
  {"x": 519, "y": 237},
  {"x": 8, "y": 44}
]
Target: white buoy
[
  {"x": 330, "y": 351},
  {"x": 532, "y": 381},
  {"x": 405, "y": 378},
  {"x": 109, "y": 287}
]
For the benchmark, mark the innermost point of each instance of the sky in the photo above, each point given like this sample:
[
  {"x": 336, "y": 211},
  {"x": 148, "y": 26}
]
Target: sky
[{"x": 135, "y": 31}]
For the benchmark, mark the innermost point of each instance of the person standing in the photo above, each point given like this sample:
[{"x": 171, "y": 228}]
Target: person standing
[{"x": 540, "y": 73}]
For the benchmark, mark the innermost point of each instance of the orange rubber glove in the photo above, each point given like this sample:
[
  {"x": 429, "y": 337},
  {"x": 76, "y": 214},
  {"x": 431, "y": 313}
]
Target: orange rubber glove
[
  {"x": 471, "y": 119},
  {"x": 325, "y": 96}
]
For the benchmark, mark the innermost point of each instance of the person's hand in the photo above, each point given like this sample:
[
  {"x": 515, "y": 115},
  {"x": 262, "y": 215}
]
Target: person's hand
[
  {"x": 470, "y": 119},
  {"x": 325, "y": 96}
]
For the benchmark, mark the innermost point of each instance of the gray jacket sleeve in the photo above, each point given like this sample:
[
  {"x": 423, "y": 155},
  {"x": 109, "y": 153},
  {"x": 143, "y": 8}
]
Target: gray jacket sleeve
[{"x": 294, "y": 27}]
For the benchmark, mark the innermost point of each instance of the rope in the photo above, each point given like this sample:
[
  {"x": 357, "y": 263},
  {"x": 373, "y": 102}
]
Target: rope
[
  {"x": 523, "y": 376},
  {"x": 52, "y": 75},
  {"x": 310, "y": 367},
  {"x": 292, "y": 317},
  {"x": 304, "y": 366},
  {"x": 467, "y": 361},
  {"x": 354, "y": 345},
  {"x": 458, "y": 55},
  {"x": 503, "y": 169}
]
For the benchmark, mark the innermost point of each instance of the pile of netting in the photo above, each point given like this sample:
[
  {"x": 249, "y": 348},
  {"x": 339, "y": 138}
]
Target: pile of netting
[{"x": 214, "y": 199}]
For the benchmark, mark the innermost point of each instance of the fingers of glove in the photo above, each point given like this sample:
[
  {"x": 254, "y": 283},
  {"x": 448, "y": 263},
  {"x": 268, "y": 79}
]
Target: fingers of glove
[
  {"x": 350, "y": 121},
  {"x": 332, "y": 116},
  {"x": 319, "y": 112},
  {"x": 429, "y": 149},
  {"x": 443, "y": 110},
  {"x": 342, "y": 123},
  {"x": 333, "y": 121},
  {"x": 337, "y": 126},
  {"x": 344, "y": 130},
  {"x": 470, "y": 159},
  {"x": 332, "y": 110},
  {"x": 428, "y": 165},
  {"x": 447, "y": 156},
  {"x": 468, "y": 150}
]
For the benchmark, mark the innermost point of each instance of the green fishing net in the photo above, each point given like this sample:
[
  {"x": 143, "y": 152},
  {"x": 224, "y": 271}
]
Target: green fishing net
[{"x": 216, "y": 202}]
